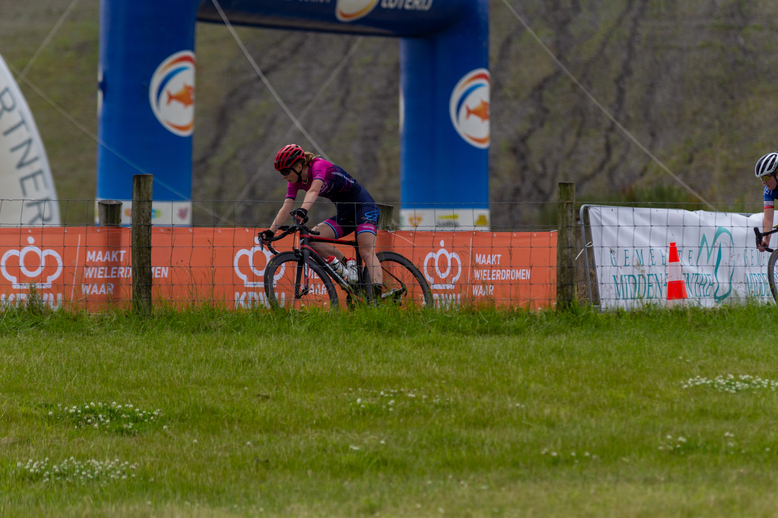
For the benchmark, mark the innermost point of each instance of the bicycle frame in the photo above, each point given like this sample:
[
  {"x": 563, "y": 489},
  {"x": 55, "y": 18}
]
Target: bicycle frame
[{"x": 307, "y": 253}]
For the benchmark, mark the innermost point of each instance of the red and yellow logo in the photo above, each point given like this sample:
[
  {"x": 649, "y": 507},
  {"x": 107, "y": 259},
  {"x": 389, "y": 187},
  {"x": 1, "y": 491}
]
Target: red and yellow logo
[
  {"x": 172, "y": 93},
  {"x": 350, "y": 10},
  {"x": 469, "y": 107}
]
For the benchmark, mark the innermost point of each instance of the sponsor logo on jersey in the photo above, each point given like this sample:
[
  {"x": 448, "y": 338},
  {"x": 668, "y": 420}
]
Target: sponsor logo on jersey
[
  {"x": 172, "y": 93},
  {"x": 469, "y": 107},
  {"x": 350, "y": 10}
]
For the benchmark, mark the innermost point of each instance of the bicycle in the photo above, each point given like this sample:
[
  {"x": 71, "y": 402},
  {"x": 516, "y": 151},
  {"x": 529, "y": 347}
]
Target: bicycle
[
  {"x": 772, "y": 263},
  {"x": 291, "y": 277}
]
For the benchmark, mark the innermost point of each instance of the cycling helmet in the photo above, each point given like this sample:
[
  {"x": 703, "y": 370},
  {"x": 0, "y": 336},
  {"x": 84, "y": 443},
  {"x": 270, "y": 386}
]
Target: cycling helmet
[
  {"x": 766, "y": 165},
  {"x": 288, "y": 155}
]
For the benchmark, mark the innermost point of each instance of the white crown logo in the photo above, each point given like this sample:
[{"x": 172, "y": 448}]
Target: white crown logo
[
  {"x": 249, "y": 253},
  {"x": 22, "y": 254},
  {"x": 443, "y": 275}
]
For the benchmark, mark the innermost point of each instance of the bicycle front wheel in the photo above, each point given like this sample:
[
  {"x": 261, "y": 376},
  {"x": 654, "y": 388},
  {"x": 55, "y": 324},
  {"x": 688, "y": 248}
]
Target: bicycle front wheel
[
  {"x": 404, "y": 285},
  {"x": 772, "y": 274},
  {"x": 286, "y": 286}
]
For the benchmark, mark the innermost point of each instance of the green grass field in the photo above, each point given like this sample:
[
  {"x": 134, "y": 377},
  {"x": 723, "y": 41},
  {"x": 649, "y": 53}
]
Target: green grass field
[{"x": 381, "y": 413}]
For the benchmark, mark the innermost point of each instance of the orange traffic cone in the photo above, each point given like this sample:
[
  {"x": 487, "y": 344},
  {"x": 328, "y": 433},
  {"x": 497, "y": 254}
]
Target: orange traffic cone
[{"x": 676, "y": 287}]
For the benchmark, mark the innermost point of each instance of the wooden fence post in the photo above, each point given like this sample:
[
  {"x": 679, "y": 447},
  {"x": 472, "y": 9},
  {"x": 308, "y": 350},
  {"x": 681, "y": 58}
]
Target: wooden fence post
[
  {"x": 565, "y": 248},
  {"x": 386, "y": 219},
  {"x": 141, "y": 242},
  {"x": 109, "y": 213},
  {"x": 110, "y": 217}
]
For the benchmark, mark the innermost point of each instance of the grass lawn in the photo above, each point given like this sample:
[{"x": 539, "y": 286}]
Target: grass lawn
[{"x": 387, "y": 413}]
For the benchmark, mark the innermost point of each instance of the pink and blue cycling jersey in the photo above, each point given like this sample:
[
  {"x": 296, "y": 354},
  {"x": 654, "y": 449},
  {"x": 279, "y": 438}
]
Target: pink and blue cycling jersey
[
  {"x": 356, "y": 209},
  {"x": 338, "y": 185},
  {"x": 769, "y": 198}
]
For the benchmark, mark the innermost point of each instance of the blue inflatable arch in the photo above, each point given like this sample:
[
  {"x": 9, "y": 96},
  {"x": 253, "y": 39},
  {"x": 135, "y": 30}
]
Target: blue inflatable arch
[{"x": 147, "y": 79}]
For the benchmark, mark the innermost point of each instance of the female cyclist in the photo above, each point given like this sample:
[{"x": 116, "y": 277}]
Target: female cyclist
[
  {"x": 766, "y": 169},
  {"x": 356, "y": 209}
]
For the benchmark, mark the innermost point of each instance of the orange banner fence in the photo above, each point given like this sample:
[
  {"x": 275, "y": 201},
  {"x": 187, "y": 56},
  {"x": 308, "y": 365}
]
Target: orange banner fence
[{"x": 91, "y": 267}]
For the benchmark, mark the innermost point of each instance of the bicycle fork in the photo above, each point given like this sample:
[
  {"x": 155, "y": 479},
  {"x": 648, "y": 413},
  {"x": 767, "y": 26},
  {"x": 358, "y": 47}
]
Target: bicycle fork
[
  {"x": 303, "y": 276},
  {"x": 305, "y": 272}
]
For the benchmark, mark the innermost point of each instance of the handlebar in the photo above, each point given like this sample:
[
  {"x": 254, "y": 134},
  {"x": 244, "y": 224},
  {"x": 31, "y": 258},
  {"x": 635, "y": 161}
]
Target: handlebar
[
  {"x": 286, "y": 230},
  {"x": 760, "y": 235}
]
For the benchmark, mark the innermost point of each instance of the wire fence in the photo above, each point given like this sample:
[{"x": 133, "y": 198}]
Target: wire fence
[
  {"x": 458, "y": 256},
  {"x": 499, "y": 216},
  {"x": 622, "y": 255}
]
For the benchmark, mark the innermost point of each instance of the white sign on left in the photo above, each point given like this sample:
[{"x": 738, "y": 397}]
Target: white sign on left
[{"x": 26, "y": 184}]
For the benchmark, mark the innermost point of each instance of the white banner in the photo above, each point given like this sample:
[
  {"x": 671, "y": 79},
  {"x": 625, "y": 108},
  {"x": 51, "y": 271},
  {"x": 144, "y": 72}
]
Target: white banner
[
  {"x": 439, "y": 219},
  {"x": 162, "y": 212},
  {"x": 719, "y": 258},
  {"x": 25, "y": 177}
]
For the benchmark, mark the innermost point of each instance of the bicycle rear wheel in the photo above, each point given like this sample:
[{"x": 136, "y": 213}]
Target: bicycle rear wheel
[
  {"x": 404, "y": 285},
  {"x": 285, "y": 285},
  {"x": 772, "y": 274}
]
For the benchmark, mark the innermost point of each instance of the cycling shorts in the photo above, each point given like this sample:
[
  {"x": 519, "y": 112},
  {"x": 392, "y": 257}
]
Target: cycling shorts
[{"x": 359, "y": 217}]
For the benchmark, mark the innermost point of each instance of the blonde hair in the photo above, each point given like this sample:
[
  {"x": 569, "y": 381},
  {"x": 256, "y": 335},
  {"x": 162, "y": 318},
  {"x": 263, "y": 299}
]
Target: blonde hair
[{"x": 308, "y": 158}]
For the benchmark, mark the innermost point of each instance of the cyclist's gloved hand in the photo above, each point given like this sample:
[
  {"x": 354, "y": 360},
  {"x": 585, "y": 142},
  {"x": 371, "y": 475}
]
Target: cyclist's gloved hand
[
  {"x": 301, "y": 215},
  {"x": 267, "y": 234}
]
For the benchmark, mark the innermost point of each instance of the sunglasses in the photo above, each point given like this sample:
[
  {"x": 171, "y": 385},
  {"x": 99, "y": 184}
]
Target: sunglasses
[
  {"x": 286, "y": 172},
  {"x": 766, "y": 179}
]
